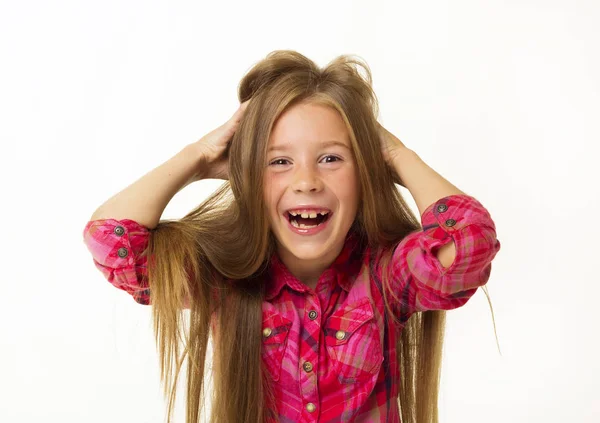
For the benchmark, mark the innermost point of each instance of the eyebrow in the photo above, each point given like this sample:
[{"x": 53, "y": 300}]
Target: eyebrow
[{"x": 324, "y": 144}]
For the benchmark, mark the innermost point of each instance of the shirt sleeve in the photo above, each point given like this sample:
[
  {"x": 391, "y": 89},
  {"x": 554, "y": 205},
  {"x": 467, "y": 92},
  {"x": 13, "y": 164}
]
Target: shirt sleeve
[
  {"x": 117, "y": 248},
  {"x": 419, "y": 279}
]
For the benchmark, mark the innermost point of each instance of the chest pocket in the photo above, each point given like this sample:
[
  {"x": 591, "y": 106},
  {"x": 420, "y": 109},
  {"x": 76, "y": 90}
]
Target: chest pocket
[
  {"x": 352, "y": 342},
  {"x": 275, "y": 331}
]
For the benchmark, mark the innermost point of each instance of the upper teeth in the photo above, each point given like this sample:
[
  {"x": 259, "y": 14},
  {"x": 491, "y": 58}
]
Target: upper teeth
[{"x": 306, "y": 215}]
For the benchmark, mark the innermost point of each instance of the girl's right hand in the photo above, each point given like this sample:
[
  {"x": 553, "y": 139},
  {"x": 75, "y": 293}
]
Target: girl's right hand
[{"x": 212, "y": 148}]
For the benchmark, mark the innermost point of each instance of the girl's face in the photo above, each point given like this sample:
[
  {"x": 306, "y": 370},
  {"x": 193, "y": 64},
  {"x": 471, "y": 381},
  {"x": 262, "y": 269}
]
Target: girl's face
[{"x": 310, "y": 165}]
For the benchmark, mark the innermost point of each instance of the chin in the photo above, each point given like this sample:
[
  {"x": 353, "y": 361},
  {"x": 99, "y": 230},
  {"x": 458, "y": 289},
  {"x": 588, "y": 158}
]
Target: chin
[
  {"x": 308, "y": 253},
  {"x": 308, "y": 250}
]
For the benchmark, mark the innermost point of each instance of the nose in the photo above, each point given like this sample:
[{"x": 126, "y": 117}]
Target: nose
[{"x": 306, "y": 179}]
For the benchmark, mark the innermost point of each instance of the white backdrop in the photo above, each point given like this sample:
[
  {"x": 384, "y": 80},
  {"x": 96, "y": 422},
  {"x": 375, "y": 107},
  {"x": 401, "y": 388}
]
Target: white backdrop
[{"x": 500, "y": 97}]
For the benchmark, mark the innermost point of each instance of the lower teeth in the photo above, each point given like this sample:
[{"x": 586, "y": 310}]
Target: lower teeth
[{"x": 302, "y": 225}]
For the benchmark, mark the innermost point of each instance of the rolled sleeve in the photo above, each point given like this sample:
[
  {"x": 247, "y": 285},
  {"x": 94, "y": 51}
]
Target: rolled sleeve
[
  {"x": 418, "y": 275},
  {"x": 118, "y": 250}
]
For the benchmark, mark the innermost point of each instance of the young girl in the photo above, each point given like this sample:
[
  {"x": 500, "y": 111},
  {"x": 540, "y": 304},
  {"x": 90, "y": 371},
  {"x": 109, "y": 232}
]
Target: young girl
[{"x": 324, "y": 295}]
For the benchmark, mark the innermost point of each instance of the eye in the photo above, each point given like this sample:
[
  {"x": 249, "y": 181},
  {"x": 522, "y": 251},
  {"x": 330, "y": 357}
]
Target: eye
[
  {"x": 274, "y": 162},
  {"x": 337, "y": 159}
]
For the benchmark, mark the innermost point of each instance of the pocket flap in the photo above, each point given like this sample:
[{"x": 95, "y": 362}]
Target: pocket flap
[
  {"x": 277, "y": 327},
  {"x": 344, "y": 322}
]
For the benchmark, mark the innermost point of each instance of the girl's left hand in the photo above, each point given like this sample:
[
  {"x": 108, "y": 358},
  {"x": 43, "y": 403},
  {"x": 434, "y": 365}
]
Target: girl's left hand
[
  {"x": 390, "y": 144},
  {"x": 390, "y": 147}
]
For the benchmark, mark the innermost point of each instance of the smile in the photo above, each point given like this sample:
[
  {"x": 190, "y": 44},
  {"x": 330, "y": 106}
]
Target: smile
[{"x": 308, "y": 226}]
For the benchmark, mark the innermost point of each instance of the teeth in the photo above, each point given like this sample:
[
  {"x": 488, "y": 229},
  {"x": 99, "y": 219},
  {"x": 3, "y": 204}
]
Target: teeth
[
  {"x": 302, "y": 225},
  {"x": 305, "y": 215},
  {"x": 311, "y": 214}
]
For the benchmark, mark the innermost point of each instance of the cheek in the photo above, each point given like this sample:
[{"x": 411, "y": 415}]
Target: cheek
[{"x": 349, "y": 190}]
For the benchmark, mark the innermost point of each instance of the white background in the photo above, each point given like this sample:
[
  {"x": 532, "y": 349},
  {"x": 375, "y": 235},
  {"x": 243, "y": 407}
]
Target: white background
[{"x": 500, "y": 97}]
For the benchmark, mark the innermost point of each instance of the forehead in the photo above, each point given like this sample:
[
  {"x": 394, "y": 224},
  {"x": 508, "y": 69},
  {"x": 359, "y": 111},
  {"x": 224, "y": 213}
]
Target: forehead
[{"x": 306, "y": 123}]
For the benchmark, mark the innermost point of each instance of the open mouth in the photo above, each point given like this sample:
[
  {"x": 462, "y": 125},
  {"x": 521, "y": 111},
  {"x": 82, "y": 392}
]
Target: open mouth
[{"x": 308, "y": 222}]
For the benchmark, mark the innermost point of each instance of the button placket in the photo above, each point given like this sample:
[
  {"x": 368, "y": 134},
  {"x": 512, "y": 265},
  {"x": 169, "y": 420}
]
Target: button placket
[{"x": 309, "y": 354}]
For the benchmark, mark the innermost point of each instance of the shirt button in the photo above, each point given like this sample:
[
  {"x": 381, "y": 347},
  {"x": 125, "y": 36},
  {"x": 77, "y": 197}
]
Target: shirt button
[
  {"x": 450, "y": 222},
  {"x": 310, "y": 407},
  {"x": 122, "y": 252},
  {"x": 340, "y": 334},
  {"x": 307, "y": 366},
  {"x": 266, "y": 332},
  {"x": 119, "y": 230},
  {"x": 312, "y": 315},
  {"x": 442, "y": 208}
]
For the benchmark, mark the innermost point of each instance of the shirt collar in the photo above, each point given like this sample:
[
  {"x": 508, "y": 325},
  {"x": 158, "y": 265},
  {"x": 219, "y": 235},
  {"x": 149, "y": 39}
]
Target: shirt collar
[{"x": 343, "y": 267}]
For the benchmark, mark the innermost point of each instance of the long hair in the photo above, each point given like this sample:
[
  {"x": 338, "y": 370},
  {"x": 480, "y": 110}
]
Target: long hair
[{"x": 214, "y": 259}]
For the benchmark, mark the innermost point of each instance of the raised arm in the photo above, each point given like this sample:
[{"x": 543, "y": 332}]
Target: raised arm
[
  {"x": 118, "y": 232},
  {"x": 145, "y": 200},
  {"x": 419, "y": 278}
]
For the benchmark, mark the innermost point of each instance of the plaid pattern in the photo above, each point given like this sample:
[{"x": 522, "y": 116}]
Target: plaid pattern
[
  {"x": 116, "y": 247},
  {"x": 331, "y": 351}
]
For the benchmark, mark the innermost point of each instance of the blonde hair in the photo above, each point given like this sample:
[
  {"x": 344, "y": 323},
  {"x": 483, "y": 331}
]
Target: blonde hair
[{"x": 217, "y": 255}]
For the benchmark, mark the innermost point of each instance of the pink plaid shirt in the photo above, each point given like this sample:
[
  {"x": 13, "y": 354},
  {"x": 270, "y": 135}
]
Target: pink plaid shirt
[{"x": 331, "y": 351}]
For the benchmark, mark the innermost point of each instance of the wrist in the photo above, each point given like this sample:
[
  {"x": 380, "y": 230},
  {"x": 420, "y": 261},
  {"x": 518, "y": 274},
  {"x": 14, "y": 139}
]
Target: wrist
[
  {"x": 401, "y": 154},
  {"x": 192, "y": 159}
]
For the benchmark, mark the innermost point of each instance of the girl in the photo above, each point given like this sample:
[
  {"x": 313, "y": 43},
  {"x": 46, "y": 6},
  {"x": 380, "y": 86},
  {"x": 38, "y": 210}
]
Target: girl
[{"x": 323, "y": 293}]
